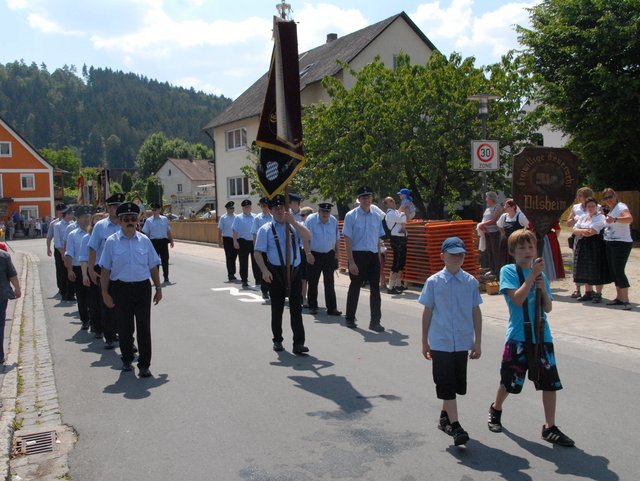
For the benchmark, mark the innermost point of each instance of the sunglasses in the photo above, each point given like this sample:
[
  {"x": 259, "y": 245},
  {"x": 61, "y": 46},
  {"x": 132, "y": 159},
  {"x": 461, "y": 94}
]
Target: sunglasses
[
  {"x": 129, "y": 218},
  {"x": 607, "y": 197}
]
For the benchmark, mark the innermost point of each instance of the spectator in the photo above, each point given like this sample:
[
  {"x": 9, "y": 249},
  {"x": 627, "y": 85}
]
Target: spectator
[
  {"x": 396, "y": 222},
  {"x": 491, "y": 233},
  {"x": 511, "y": 220},
  {"x": 577, "y": 211}
]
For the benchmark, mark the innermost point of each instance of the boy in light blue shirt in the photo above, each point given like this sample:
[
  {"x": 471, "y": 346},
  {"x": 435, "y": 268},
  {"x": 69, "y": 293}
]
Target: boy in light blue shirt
[{"x": 451, "y": 331}]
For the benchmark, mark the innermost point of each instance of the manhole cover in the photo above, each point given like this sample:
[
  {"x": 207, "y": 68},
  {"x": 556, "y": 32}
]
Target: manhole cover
[{"x": 34, "y": 443}]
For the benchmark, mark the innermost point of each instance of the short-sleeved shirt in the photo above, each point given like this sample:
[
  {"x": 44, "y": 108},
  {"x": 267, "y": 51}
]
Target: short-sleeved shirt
[
  {"x": 364, "y": 229},
  {"x": 242, "y": 224},
  {"x": 70, "y": 228},
  {"x": 617, "y": 231},
  {"x": 74, "y": 242},
  {"x": 83, "y": 256},
  {"x": 101, "y": 231},
  {"x": 129, "y": 259},
  {"x": 515, "y": 330},
  {"x": 50, "y": 230},
  {"x": 597, "y": 222},
  {"x": 156, "y": 228},
  {"x": 395, "y": 221},
  {"x": 225, "y": 224},
  {"x": 452, "y": 298},
  {"x": 260, "y": 220},
  {"x": 324, "y": 235},
  {"x": 265, "y": 242},
  {"x": 7, "y": 271},
  {"x": 59, "y": 234}
]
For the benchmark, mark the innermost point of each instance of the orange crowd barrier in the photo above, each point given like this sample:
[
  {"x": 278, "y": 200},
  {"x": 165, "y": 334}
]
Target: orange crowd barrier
[{"x": 423, "y": 248}]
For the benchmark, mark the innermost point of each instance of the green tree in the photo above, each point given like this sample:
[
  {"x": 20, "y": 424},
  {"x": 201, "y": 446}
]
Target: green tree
[
  {"x": 153, "y": 191},
  {"x": 586, "y": 54},
  {"x": 127, "y": 182},
  {"x": 413, "y": 127},
  {"x": 64, "y": 159},
  {"x": 158, "y": 148}
]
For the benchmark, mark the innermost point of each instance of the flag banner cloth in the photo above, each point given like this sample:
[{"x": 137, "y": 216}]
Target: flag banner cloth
[{"x": 280, "y": 130}]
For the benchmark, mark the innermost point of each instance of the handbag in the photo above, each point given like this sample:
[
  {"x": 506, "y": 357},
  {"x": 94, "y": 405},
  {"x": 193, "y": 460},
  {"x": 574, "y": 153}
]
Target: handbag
[{"x": 571, "y": 240}]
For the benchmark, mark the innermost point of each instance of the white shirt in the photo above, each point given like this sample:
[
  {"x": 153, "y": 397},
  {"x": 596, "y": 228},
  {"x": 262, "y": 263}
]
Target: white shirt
[
  {"x": 597, "y": 223},
  {"x": 396, "y": 223},
  {"x": 504, "y": 218},
  {"x": 617, "y": 231}
]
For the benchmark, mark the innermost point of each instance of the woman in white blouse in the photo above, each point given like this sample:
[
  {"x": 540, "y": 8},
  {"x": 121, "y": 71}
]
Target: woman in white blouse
[
  {"x": 511, "y": 220},
  {"x": 577, "y": 211},
  {"x": 589, "y": 258},
  {"x": 617, "y": 236}
]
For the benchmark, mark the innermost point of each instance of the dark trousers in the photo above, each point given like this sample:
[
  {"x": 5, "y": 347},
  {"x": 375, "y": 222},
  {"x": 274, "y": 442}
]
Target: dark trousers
[
  {"x": 3, "y": 315},
  {"x": 244, "y": 253},
  {"x": 162, "y": 248},
  {"x": 108, "y": 317},
  {"x": 82, "y": 296},
  {"x": 133, "y": 310},
  {"x": 95, "y": 307},
  {"x": 278, "y": 293},
  {"x": 369, "y": 270},
  {"x": 617, "y": 256},
  {"x": 399, "y": 247},
  {"x": 230, "y": 254},
  {"x": 325, "y": 264},
  {"x": 65, "y": 286},
  {"x": 492, "y": 252}
]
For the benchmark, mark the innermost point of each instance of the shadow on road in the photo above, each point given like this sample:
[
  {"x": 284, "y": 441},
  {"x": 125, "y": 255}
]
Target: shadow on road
[
  {"x": 134, "y": 387},
  {"x": 480, "y": 457},
  {"x": 572, "y": 461}
]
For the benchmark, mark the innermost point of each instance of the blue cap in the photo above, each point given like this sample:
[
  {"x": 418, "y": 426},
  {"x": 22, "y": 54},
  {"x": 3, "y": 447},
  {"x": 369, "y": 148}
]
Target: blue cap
[
  {"x": 404, "y": 191},
  {"x": 453, "y": 245}
]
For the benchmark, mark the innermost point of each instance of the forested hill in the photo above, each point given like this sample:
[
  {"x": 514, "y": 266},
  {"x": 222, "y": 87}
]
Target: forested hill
[{"x": 100, "y": 113}]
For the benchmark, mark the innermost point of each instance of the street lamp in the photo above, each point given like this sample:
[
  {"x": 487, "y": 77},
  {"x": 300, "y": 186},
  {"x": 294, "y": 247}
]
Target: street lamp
[{"x": 483, "y": 113}]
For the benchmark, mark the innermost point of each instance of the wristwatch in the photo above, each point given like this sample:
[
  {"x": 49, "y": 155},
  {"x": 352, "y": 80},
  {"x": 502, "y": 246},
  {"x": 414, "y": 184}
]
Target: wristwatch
[{"x": 615, "y": 219}]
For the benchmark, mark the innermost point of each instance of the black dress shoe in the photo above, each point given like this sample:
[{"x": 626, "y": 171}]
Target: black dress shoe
[
  {"x": 334, "y": 312},
  {"x": 300, "y": 349},
  {"x": 351, "y": 324},
  {"x": 376, "y": 326},
  {"x": 109, "y": 345},
  {"x": 98, "y": 335},
  {"x": 245, "y": 285},
  {"x": 85, "y": 326},
  {"x": 126, "y": 366},
  {"x": 313, "y": 310},
  {"x": 265, "y": 295},
  {"x": 144, "y": 372},
  {"x": 277, "y": 346}
]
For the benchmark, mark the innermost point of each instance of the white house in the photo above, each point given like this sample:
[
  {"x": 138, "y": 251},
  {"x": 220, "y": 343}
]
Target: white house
[
  {"x": 188, "y": 184},
  {"x": 236, "y": 128}
]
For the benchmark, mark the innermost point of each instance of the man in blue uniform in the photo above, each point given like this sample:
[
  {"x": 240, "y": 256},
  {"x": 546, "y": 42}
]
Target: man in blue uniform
[
  {"x": 362, "y": 230},
  {"x": 127, "y": 261},
  {"x": 321, "y": 257},
  {"x": 73, "y": 258},
  {"x": 157, "y": 229},
  {"x": 60, "y": 233},
  {"x": 261, "y": 219},
  {"x": 271, "y": 256},
  {"x": 225, "y": 239},
  {"x": 243, "y": 242}
]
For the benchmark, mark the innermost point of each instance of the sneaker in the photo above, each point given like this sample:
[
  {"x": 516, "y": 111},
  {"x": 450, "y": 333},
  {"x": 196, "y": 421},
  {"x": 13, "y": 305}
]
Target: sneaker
[
  {"x": 444, "y": 424},
  {"x": 495, "y": 426},
  {"x": 460, "y": 436},
  {"x": 555, "y": 436},
  {"x": 587, "y": 296}
]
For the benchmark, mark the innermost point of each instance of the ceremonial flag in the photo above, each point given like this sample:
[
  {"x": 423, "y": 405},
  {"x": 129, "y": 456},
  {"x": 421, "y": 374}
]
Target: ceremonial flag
[{"x": 280, "y": 130}]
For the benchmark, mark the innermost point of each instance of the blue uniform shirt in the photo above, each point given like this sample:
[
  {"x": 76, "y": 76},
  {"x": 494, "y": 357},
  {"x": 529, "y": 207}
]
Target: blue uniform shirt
[
  {"x": 225, "y": 224},
  {"x": 129, "y": 260},
  {"x": 242, "y": 224},
  {"x": 50, "y": 230},
  {"x": 74, "y": 242},
  {"x": 324, "y": 235},
  {"x": 515, "y": 330},
  {"x": 260, "y": 220},
  {"x": 59, "y": 234},
  {"x": 101, "y": 231},
  {"x": 70, "y": 228},
  {"x": 156, "y": 228},
  {"x": 452, "y": 298},
  {"x": 267, "y": 244},
  {"x": 84, "y": 249},
  {"x": 364, "y": 229}
]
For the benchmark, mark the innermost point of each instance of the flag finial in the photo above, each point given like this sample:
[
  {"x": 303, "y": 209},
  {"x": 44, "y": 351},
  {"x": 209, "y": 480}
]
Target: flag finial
[{"x": 284, "y": 9}]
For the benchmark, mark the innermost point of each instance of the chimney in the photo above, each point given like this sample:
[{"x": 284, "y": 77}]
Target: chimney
[{"x": 331, "y": 37}]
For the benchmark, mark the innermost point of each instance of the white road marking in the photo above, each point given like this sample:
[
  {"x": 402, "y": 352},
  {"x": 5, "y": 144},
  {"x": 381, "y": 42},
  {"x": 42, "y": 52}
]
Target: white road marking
[{"x": 238, "y": 293}]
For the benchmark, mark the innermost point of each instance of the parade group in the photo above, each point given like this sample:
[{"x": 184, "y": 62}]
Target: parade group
[{"x": 105, "y": 261}]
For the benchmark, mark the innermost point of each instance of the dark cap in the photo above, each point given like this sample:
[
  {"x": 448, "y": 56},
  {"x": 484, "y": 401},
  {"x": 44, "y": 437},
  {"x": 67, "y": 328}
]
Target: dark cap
[
  {"x": 245, "y": 202},
  {"x": 61, "y": 207},
  {"x": 365, "y": 190},
  {"x": 295, "y": 198},
  {"x": 128, "y": 208},
  {"x": 263, "y": 201},
  {"x": 325, "y": 206},
  {"x": 67, "y": 210},
  {"x": 84, "y": 210},
  {"x": 230, "y": 205},
  {"x": 117, "y": 198},
  {"x": 453, "y": 245},
  {"x": 156, "y": 206},
  {"x": 276, "y": 201}
]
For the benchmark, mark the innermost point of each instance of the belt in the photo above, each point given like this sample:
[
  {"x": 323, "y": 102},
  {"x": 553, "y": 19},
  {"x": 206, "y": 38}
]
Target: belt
[{"x": 134, "y": 283}]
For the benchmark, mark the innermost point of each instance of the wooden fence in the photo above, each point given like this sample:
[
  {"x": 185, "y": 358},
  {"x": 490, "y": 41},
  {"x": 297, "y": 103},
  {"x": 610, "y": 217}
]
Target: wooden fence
[
  {"x": 195, "y": 230},
  {"x": 630, "y": 197}
]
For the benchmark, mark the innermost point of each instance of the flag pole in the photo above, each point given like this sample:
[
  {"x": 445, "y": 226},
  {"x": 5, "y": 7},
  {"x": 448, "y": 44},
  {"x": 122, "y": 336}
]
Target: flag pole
[{"x": 286, "y": 245}]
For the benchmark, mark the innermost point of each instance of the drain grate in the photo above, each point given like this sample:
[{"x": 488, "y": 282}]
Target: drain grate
[{"x": 36, "y": 443}]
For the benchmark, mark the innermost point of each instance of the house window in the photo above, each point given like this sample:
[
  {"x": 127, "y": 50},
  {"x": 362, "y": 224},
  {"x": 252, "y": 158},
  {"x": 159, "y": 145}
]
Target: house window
[
  {"x": 179, "y": 187},
  {"x": 236, "y": 139},
  {"x": 169, "y": 171},
  {"x": 27, "y": 181},
  {"x": 29, "y": 212},
  {"x": 238, "y": 186},
  {"x": 5, "y": 149}
]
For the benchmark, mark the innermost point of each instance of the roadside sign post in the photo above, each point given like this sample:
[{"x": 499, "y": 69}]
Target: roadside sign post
[{"x": 485, "y": 155}]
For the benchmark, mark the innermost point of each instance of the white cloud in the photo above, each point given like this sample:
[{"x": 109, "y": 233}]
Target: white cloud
[
  {"x": 198, "y": 84},
  {"x": 17, "y": 4},
  {"x": 316, "y": 21},
  {"x": 497, "y": 29},
  {"x": 39, "y": 22}
]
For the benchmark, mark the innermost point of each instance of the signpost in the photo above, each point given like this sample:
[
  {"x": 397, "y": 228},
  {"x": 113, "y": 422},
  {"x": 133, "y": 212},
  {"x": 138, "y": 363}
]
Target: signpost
[{"x": 485, "y": 155}]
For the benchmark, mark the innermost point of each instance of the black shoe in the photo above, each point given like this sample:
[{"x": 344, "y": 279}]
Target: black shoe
[
  {"x": 277, "y": 346},
  {"x": 245, "y": 285},
  {"x": 376, "y": 326},
  {"x": 166, "y": 280},
  {"x": 394, "y": 291},
  {"x": 587, "y": 296},
  {"x": 402, "y": 288},
  {"x": 144, "y": 372},
  {"x": 460, "y": 436},
  {"x": 126, "y": 366},
  {"x": 232, "y": 278},
  {"x": 265, "y": 295},
  {"x": 98, "y": 335},
  {"x": 555, "y": 436},
  {"x": 135, "y": 349},
  {"x": 615, "y": 302},
  {"x": 300, "y": 349},
  {"x": 109, "y": 345},
  {"x": 313, "y": 310},
  {"x": 351, "y": 324},
  {"x": 597, "y": 298},
  {"x": 444, "y": 424},
  {"x": 334, "y": 312},
  {"x": 85, "y": 326},
  {"x": 495, "y": 426}
]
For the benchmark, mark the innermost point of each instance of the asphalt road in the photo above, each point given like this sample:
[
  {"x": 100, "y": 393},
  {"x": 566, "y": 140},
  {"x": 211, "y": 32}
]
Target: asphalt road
[{"x": 221, "y": 405}]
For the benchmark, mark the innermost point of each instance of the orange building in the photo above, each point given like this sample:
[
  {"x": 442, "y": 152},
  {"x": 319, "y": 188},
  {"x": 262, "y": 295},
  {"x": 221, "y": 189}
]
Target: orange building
[{"x": 26, "y": 179}]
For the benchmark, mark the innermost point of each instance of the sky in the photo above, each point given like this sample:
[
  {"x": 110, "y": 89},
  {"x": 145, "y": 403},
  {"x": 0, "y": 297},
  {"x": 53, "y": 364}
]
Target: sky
[{"x": 223, "y": 47}]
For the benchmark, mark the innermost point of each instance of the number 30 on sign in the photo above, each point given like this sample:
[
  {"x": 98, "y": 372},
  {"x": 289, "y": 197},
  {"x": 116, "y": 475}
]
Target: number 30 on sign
[{"x": 485, "y": 155}]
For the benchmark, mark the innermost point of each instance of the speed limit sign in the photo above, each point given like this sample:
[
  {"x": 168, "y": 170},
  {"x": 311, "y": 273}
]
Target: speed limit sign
[{"x": 485, "y": 155}]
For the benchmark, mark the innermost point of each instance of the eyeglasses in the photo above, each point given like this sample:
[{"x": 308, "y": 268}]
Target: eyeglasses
[
  {"x": 607, "y": 197},
  {"x": 129, "y": 218}
]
